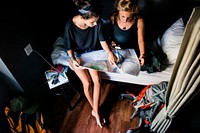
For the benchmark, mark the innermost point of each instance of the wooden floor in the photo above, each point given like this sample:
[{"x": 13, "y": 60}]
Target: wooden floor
[
  {"x": 80, "y": 120},
  {"x": 117, "y": 114}
]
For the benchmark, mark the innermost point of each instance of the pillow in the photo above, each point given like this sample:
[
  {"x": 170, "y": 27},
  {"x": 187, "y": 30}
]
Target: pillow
[{"x": 171, "y": 40}]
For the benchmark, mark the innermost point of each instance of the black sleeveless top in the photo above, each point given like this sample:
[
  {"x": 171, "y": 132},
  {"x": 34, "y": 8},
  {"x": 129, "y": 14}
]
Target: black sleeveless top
[{"x": 126, "y": 38}]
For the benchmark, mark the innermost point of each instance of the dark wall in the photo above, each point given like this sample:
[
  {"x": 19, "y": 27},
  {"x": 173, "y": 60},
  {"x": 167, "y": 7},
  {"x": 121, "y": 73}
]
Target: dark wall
[
  {"x": 15, "y": 34},
  {"x": 36, "y": 23},
  {"x": 161, "y": 14}
]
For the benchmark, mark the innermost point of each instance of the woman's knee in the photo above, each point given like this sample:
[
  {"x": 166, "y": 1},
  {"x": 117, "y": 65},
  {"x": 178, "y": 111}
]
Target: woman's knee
[
  {"x": 86, "y": 84},
  {"x": 97, "y": 82}
]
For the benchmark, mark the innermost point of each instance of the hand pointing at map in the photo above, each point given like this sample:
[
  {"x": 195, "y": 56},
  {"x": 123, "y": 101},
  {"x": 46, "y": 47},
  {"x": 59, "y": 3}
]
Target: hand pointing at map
[{"x": 112, "y": 58}]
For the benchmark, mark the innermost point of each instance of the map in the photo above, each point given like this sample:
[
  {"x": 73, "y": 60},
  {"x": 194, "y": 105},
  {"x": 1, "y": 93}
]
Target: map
[{"x": 127, "y": 61}]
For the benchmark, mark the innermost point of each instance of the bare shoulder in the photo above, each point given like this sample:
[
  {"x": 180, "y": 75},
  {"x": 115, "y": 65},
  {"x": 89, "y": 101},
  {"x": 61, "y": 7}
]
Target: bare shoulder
[
  {"x": 75, "y": 19},
  {"x": 140, "y": 22}
]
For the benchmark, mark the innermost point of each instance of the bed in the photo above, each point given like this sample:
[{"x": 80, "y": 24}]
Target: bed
[
  {"x": 169, "y": 41},
  {"x": 143, "y": 78}
]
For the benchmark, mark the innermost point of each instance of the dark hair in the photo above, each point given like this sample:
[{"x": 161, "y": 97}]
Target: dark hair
[{"x": 87, "y": 8}]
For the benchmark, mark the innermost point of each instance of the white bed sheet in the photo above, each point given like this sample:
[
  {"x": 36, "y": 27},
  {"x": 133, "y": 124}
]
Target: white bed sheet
[{"x": 143, "y": 78}]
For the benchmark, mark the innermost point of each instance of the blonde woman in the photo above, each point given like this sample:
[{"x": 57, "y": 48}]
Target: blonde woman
[{"x": 128, "y": 27}]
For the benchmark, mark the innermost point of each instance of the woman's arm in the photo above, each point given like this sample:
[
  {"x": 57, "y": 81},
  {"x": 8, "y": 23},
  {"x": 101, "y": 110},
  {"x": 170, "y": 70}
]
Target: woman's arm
[
  {"x": 112, "y": 58},
  {"x": 141, "y": 42},
  {"x": 73, "y": 60}
]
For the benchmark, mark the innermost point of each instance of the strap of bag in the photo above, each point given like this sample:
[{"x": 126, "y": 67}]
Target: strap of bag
[
  {"x": 39, "y": 123},
  {"x": 10, "y": 120},
  {"x": 142, "y": 93}
]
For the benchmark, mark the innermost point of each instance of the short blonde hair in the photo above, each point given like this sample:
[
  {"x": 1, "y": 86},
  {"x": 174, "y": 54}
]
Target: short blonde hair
[{"x": 127, "y": 5}]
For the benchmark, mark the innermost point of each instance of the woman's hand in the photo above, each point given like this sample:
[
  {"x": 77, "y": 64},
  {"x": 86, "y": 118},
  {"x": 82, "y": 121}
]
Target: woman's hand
[
  {"x": 75, "y": 63},
  {"x": 112, "y": 59},
  {"x": 142, "y": 59}
]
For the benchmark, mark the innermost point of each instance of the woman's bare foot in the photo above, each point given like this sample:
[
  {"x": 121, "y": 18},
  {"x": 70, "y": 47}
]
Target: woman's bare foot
[{"x": 98, "y": 118}]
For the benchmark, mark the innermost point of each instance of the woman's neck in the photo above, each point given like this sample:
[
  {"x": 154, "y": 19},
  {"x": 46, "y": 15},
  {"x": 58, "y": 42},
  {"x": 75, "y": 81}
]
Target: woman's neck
[
  {"x": 79, "y": 22},
  {"x": 124, "y": 25}
]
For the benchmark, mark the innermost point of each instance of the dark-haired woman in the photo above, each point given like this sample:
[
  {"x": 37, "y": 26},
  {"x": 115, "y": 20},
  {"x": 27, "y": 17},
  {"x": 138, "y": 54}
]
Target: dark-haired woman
[{"x": 83, "y": 34}]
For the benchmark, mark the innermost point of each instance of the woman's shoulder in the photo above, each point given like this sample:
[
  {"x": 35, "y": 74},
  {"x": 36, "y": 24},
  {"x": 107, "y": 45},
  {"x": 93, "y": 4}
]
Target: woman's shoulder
[{"x": 140, "y": 20}]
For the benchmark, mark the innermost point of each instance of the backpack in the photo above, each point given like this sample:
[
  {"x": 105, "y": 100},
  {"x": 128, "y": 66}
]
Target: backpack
[
  {"x": 21, "y": 122},
  {"x": 147, "y": 104}
]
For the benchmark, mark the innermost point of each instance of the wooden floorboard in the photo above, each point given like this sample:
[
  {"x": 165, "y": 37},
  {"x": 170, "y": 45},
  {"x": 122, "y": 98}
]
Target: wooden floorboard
[
  {"x": 80, "y": 120},
  {"x": 117, "y": 113}
]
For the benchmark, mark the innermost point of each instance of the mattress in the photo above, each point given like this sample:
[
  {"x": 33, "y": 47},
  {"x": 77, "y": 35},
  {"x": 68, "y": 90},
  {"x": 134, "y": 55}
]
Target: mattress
[{"x": 143, "y": 78}]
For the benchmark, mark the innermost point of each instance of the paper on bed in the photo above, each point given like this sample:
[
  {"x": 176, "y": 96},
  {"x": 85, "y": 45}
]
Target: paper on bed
[{"x": 128, "y": 61}]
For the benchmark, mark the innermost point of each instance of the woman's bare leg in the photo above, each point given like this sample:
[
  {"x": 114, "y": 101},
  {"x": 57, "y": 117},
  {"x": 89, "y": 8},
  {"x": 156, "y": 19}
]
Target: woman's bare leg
[
  {"x": 86, "y": 81},
  {"x": 93, "y": 99},
  {"x": 96, "y": 96},
  {"x": 96, "y": 90}
]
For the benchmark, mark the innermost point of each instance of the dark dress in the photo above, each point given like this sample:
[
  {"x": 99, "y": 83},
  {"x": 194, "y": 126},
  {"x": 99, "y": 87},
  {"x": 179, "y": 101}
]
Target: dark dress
[
  {"x": 82, "y": 40},
  {"x": 126, "y": 38},
  {"x": 129, "y": 39}
]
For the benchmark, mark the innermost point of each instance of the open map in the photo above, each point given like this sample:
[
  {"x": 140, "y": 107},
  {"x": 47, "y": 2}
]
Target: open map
[{"x": 127, "y": 61}]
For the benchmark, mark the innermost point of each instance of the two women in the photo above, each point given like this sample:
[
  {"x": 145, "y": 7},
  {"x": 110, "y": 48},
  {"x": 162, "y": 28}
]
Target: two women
[{"x": 83, "y": 34}]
